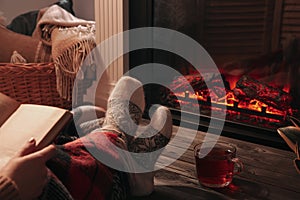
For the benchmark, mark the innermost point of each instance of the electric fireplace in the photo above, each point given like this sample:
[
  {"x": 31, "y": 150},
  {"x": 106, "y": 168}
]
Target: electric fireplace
[
  {"x": 248, "y": 99},
  {"x": 257, "y": 101},
  {"x": 255, "y": 49}
]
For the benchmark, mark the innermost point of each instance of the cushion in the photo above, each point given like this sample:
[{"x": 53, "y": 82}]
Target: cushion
[
  {"x": 31, "y": 49},
  {"x": 24, "y": 23}
]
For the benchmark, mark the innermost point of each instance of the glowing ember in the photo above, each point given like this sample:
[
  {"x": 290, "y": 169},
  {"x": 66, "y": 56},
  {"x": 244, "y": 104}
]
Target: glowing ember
[
  {"x": 243, "y": 96},
  {"x": 231, "y": 101}
]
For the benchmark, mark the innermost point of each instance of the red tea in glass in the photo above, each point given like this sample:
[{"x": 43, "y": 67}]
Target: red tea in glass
[{"x": 216, "y": 163}]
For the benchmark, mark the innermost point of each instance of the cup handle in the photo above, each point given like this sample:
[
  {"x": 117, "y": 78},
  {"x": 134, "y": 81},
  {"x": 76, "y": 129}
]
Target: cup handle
[{"x": 238, "y": 166}]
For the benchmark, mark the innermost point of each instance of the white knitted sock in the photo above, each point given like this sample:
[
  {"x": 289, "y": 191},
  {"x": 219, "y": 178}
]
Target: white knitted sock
[
  {"x": 125, "y": 106},
  {"x": 161, "y": 125}
]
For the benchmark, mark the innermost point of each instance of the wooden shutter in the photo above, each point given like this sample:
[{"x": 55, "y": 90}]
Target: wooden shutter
[
  {"x": 235, "y": 29},
  {"x": 290, "y": 20}
]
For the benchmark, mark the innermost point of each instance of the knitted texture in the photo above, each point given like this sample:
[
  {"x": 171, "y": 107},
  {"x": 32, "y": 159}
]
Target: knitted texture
[
  {"x": 70, "y": 47},
  {"x": 56, "y": 16},
  {"x": 55, "y": 190},
  {"x": 8, "y": 189},
  {"x": 71, "y": 40}
]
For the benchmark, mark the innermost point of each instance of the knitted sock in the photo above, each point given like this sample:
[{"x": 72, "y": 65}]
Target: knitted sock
[
  {"x": 86, "y": 113},
  {"x": 88, "y": 118},
  {"x": 125, "y": 107},
  {"x": 160, "y": 131},
  {"x": 156, "y": 135},
  {"x": 91, "y": 126}
]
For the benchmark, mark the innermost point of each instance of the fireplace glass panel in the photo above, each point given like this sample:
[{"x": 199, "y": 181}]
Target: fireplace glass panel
[
  {"x": 260, "y": 73},
  {"x": 255, "y": 46}
]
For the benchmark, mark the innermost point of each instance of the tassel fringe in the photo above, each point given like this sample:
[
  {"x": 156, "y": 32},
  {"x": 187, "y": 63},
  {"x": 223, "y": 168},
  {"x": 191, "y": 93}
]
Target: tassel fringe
[
  {"x": 17, "y": 58},
  {"x": 68, "y": 66}
]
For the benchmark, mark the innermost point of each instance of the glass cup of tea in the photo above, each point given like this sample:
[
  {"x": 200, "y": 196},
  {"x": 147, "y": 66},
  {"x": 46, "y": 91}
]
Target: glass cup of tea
[{"x": 216, "y": 163}]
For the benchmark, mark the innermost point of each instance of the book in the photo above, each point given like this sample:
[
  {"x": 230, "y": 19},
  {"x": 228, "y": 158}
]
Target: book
[{"x": 21, "y": 122}]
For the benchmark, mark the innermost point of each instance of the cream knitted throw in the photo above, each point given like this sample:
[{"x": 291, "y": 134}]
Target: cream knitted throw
[{"x": 71, "y": 39}]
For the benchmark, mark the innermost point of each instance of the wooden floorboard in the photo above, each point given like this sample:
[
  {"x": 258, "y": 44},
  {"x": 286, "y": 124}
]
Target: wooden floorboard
[{"x": 268, "y": 173}]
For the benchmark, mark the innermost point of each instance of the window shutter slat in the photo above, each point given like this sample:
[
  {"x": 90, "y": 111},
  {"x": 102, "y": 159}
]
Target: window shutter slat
[
  {"x": 290, "y": 20},
  {"x": 237, "y": 28}
]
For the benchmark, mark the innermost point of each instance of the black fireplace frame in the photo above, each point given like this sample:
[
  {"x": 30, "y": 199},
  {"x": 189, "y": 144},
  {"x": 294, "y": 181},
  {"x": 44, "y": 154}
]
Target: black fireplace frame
[{"x": 141, "y": 15}]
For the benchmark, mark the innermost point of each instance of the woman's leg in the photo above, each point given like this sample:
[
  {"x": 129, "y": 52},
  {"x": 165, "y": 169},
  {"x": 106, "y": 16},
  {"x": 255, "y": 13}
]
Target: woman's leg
[
  {"x": 87, "y": 113},
  {"x": 124, "y": 112}
]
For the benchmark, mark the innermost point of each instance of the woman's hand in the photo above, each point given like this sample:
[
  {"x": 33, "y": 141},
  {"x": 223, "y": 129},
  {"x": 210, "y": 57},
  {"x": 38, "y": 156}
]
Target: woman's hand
[{"x": 28, "y": 170}]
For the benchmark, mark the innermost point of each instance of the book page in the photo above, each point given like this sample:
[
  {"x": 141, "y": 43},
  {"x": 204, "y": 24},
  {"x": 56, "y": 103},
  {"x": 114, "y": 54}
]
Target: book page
[{"x": 28, "y": 121}]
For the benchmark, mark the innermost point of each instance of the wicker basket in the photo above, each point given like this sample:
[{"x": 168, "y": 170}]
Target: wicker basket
[{"x": 33, "y": 83}]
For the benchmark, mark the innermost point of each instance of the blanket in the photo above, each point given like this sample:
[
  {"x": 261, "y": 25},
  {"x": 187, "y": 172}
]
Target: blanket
[
  {"x": 71, "y": 40},
  {"x": 84, "y": 176}
]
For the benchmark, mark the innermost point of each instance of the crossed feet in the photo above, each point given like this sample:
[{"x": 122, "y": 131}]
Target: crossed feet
[{"x": 123, "y": 115}]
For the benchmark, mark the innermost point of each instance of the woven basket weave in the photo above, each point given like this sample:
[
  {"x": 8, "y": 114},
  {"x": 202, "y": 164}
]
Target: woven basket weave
[{"x": 33, "y": 83}]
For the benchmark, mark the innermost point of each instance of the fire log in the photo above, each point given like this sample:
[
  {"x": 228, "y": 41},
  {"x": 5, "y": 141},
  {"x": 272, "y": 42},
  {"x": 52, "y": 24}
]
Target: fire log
[
  {"x": 247, "y": 87},
  {"x": 197, "y": 82}
]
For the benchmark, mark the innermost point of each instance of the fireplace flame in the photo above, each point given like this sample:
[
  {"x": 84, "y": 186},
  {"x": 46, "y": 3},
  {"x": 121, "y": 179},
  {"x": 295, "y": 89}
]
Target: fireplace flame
[
  {"x": 246, "y": 99},
  {"x": 231, "y": 101},
  {"x": 232, "y": 80},
  {"x": 287, "y": 88}
]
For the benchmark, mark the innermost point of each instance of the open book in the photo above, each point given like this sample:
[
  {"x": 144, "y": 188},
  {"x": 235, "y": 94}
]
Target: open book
[{"x": 20, "y": 122}]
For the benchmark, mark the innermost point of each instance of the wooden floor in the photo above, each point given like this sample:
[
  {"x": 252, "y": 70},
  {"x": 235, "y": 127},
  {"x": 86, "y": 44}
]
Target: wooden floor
[{"x": 268, "y": 173}]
